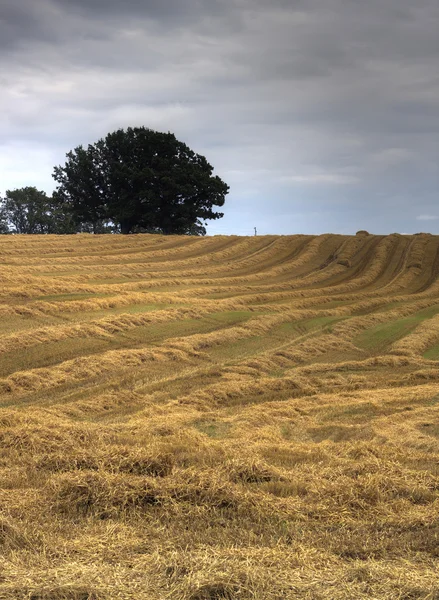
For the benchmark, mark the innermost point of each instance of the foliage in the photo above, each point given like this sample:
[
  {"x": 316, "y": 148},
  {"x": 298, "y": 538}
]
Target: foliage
[
  {"x": 3, "y": 221},
  {"x": 28, "y": 210},
  {"x": 140, "y": 180}
]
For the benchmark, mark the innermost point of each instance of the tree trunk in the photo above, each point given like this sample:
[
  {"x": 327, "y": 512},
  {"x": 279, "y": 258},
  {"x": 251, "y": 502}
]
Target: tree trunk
[{"x": 125, "y": 227}]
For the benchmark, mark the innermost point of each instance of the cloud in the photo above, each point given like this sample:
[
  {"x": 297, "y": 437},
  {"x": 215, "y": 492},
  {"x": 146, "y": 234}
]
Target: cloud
[
  {"x": 320, "y": 179},
  {"x": 427, "y": 217}
]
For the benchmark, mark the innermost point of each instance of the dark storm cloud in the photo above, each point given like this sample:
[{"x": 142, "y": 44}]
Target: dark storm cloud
[
  {"x": 170, "y": 11},
  {"x": 22, "y": 21},
  {"x": 329, "y": 103}
]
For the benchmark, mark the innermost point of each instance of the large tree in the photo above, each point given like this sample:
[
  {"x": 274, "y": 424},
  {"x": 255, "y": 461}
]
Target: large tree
[{"x": 140, "y": 180}]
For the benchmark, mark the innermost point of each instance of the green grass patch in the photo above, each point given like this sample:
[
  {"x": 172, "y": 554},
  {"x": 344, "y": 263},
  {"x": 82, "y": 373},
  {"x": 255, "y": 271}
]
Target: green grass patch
[
  {"x": 382, "y": 335},
  {"x": 101, "y": 313},
  {"x": 432, "y": 353},
  {"x": 379, "y": 337},
  {"x": 277, "y": 373},
  {"x": 140, "y": 308},
  {"x": 67, "y": 297},
  {"x": 429, "y": 312},
  {"x": 216, "y": 430},
  {"x": 288, "y": 431},
  {"x": 228, "y": 316},
  {"x": 278, "y": 336},
  {"x": 51, "y": 353},
  {"x": 308, "y": 325},
  {"x": 244, "y": 348},
  {"x": 431, "y": 429},
  {"x": 17, "y": 323},
  {"x": 354, "y": 413},
  {"x": 156, "y": 333}
]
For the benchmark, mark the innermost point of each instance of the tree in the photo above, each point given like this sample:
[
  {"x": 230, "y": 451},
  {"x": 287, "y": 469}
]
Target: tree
[
  {"x": 59, "y": 219},
  {"x": 3, "y": 221},
  {"x": 140, "y": 180},
  {"x": 25, "y": 209},
  {"x": 82, "y": 189},
  {"x": 28, "y": 210}
]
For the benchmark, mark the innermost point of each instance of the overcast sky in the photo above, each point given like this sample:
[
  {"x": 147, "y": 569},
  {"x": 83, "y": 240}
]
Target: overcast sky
[{"x": 321, "y": 115}]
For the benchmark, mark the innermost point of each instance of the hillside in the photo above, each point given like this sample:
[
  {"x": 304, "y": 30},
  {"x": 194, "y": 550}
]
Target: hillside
[{"x": 219, "y": 418}]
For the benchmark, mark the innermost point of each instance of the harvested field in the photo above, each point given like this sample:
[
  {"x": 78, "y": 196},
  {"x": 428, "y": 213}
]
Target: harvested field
[{"x": 219, "y": 418}]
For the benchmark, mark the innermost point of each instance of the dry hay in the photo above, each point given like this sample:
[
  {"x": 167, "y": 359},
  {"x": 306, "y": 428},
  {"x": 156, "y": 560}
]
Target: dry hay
[{"x": 199, "y": 419}]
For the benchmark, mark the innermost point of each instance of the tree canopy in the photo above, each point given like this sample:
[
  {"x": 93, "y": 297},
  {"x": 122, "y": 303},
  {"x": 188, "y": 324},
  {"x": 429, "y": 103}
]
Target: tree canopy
[
  {"x": 28, "y": 210},
  {"x": 139, "y": 180}
]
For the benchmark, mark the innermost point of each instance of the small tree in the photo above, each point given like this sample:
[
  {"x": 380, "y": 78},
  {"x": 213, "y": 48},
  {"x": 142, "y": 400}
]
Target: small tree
[
  {"x": 140, "y": 180},
  {"x": 28, "y": 210}
]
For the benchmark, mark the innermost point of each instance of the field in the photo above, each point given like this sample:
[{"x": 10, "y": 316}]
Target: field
[{"x": 219, "y": 418}]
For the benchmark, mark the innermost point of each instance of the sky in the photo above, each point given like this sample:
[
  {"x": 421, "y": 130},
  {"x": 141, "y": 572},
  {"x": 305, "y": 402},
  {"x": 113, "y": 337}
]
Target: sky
[{"x": 321, "y": 115}]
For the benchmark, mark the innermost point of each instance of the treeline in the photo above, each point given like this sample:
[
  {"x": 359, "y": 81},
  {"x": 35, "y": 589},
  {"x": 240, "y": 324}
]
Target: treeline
[
  {"x": 132, "y": 181},
  {"x": 29, "y": 210}
]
